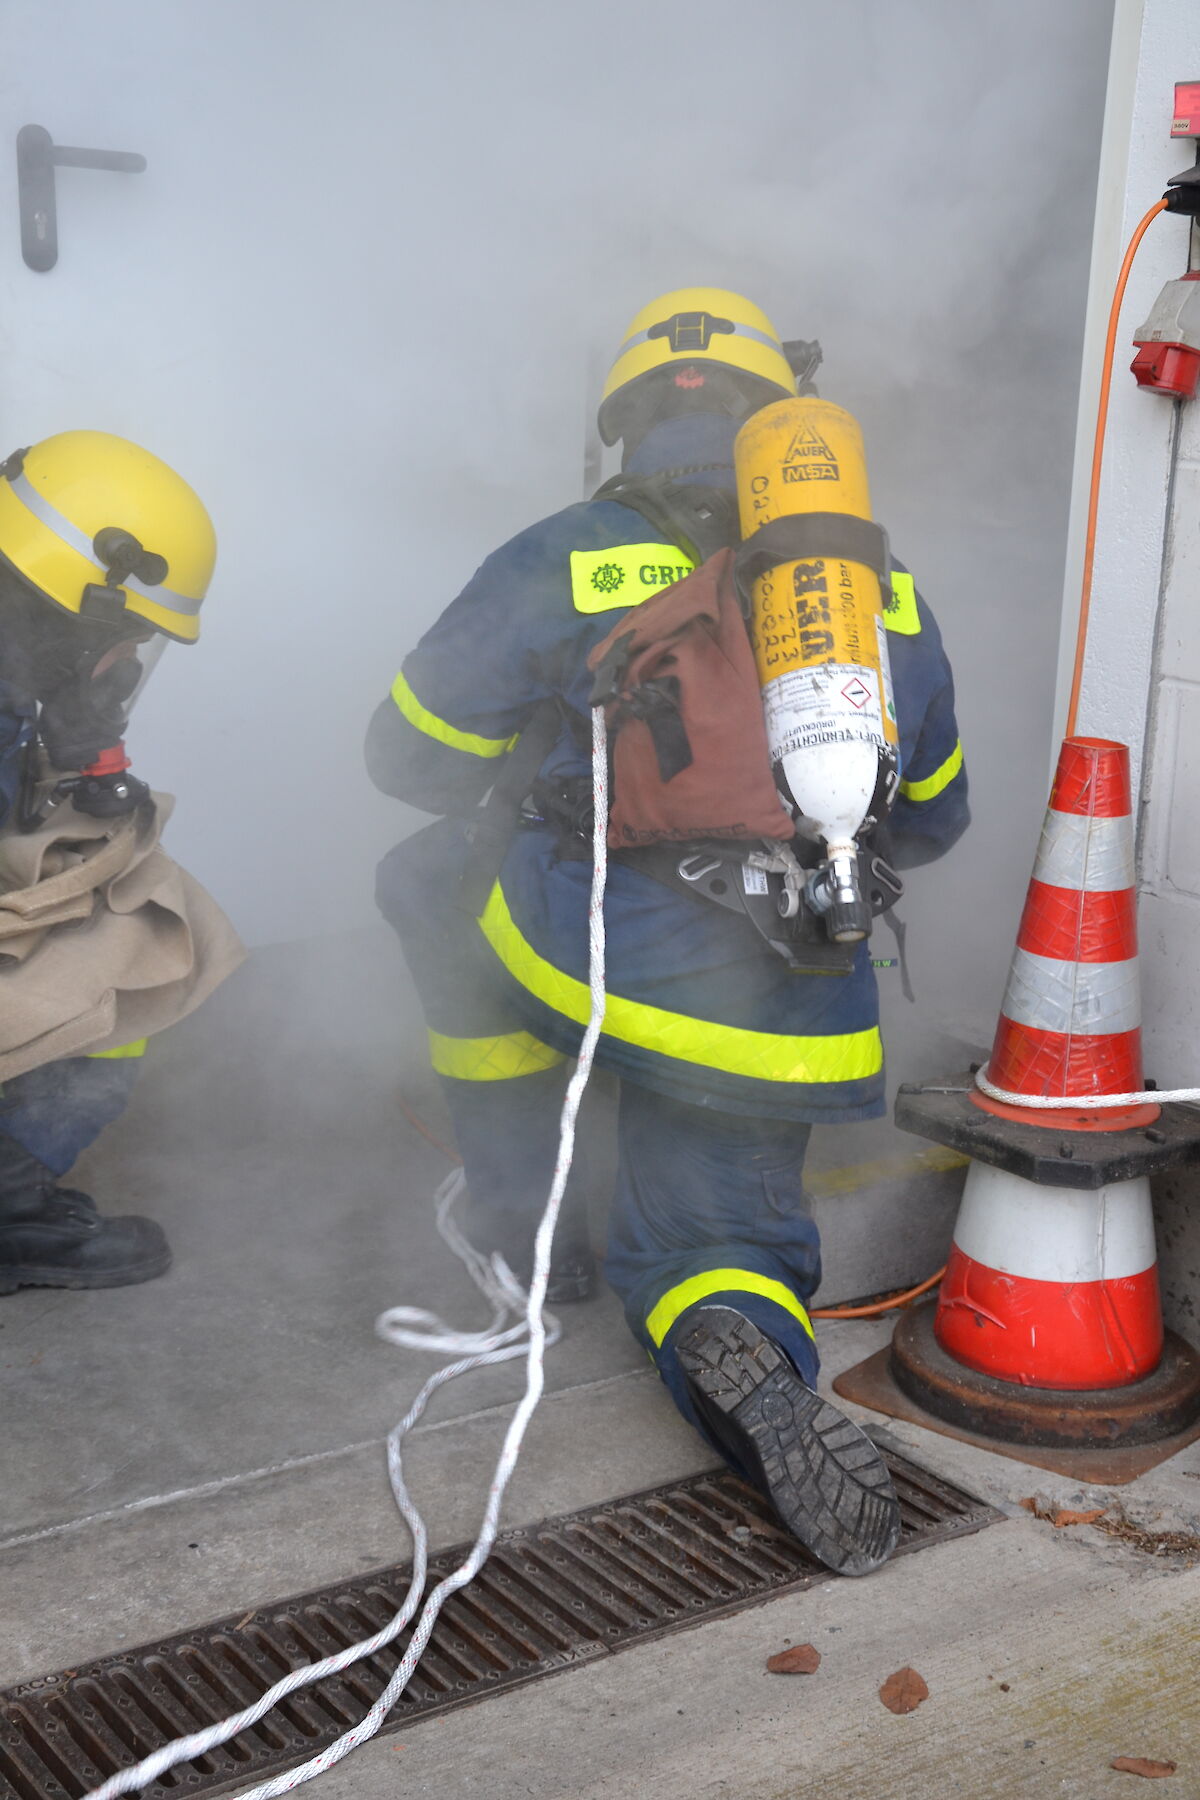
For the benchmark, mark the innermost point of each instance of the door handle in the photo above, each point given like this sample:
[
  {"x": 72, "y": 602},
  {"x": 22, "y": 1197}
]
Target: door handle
[{"x": 37, "y": 158}]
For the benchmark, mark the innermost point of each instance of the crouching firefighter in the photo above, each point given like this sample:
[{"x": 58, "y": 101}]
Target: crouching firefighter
[
  {"x": 105, "y": 554},
  {"x": 783, "y": 740}
]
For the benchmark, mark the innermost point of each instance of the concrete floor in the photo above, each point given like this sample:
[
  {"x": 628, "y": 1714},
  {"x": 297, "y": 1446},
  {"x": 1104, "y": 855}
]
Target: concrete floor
[{"x": 211, "y": 1440}]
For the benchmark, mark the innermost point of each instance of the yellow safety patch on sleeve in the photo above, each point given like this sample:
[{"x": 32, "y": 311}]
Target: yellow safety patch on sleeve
[
  {"x": 137, "y": 1048},
  {"x": 933, "y": 785},
  {"x": 900, "y": 610},
  {"x": 625, "y": 575},
  {"x": 504, "y": 1058},
  {"x": 445, "y": 733},
  {"x": 759, "y": 1055},
  {"x": 721, "y": 1281}
]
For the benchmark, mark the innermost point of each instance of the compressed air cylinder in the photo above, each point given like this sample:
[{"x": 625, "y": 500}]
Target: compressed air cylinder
[{"x": 817, "y": 622}]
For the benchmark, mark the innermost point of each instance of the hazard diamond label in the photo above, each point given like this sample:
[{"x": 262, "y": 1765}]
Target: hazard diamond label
[{"x": 857, "y": 692}]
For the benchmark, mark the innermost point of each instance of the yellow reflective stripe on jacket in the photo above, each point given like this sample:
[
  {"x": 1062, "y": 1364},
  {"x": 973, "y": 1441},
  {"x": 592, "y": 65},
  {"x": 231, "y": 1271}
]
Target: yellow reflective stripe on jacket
[
  {"x": 721, "y": 1281},
  {"x": 137, "y": 1048},
  {"x": 433, "y": 727},
  {"x": 625, "y": 575},
  {"x": 491, "y": 1058},
  {"x": 932, "y": 786},
  {"x": 900, "y": 612},
  {"x": 759, "y": 1055}
]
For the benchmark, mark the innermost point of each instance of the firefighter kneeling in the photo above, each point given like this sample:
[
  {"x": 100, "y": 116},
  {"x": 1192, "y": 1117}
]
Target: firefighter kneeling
[
  {"x": 105, "y": 554},
  {"x": 741, "y": 1011}
]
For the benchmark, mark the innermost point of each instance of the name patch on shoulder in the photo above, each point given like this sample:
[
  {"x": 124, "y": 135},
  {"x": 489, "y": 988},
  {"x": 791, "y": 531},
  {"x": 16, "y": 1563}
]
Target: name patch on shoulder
[{"x": 624, "y": 575}]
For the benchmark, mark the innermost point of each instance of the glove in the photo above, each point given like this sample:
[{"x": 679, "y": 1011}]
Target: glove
[{"x": 86, "y": 715}]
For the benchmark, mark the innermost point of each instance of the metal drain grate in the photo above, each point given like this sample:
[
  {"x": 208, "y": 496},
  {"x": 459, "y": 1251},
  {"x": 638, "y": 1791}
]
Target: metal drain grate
[{"x": 550, "y": 1596}]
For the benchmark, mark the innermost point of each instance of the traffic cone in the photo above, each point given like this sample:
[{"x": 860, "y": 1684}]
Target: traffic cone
[
  {"x": 1070, "y": 1021},
  {"x": 1046, "y": 1342},
  {"x": 1047, "y": 1286}
]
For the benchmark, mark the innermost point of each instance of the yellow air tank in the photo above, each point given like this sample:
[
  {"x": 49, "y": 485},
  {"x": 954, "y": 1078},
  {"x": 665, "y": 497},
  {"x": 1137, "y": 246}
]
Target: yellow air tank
[{"x": 816, "y": 622}]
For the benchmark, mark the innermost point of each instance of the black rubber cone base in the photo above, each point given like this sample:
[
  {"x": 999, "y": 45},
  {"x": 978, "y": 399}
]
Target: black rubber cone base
[
  {"x": 824, "y": 1476},
  {"x": 1108, "y": 1435}
]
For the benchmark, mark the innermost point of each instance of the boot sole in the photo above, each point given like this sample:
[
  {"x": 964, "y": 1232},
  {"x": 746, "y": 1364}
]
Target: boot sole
[
  {"x": 12, "y": 1278},
  {"x": 824, "y": 1476}
]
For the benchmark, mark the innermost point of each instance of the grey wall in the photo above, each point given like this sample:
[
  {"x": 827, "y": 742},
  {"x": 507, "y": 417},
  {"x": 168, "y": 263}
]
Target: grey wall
[{"x": 357, "y": 295}]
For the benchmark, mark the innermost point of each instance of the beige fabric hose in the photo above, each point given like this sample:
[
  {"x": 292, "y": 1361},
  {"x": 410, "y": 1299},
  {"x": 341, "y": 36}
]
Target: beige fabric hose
[{"x": 103, "y": 938}]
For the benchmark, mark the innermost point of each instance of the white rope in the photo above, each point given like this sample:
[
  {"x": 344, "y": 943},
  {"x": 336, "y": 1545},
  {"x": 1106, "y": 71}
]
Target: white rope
[
  {"x": 414, "y": 1327},
  {"x": 1090, "y": 1102}
]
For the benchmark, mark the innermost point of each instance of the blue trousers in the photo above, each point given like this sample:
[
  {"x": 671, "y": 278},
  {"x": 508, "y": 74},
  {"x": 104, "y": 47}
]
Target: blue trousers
[
  {"x": 709, "y": 1207},
  {"x": 56, "y": 1111}
]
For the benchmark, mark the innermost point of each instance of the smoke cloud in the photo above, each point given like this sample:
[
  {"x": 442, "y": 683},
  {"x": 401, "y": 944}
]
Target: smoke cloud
[{"x": 359, "y": 297}]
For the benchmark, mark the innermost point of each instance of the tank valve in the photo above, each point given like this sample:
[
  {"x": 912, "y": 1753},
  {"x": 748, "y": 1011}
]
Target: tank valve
[{"x": 835, "y": 892}]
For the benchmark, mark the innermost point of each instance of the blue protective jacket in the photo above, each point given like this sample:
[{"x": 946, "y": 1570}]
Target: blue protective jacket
[{"x": 699, "y": 1008}]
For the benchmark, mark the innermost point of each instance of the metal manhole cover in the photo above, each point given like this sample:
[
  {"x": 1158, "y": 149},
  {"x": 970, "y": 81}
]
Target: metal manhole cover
[{"x": 550, "y": 1596}]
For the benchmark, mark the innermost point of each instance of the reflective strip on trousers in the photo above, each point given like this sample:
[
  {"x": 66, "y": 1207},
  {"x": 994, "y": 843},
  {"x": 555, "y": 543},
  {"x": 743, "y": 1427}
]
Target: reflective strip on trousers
[
  {"x": 504, "y": 1058},
  {"x": 136, "y": 1048},
  {"x": 441, "y": 730},
  {"x": 756, "y": 1055},
  {"x": 698, "y": 1288}
]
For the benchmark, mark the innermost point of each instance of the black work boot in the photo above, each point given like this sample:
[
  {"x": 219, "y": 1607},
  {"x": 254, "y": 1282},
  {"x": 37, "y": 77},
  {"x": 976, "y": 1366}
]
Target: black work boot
[
  {"x": 824, "y": 1476},
  {"x": 54, "y": 1237},
  {"x": 572, "y": 1276}
]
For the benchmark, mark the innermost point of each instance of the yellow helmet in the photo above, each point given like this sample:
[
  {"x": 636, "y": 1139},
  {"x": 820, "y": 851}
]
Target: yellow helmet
[
  {"x": 105, "y": 529},
  {"x": 690, "y": 326}
]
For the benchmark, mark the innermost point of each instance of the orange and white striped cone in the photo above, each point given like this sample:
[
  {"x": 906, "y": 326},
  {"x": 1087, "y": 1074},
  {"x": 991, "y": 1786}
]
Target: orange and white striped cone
[{"x": 1047, "y": 1286}]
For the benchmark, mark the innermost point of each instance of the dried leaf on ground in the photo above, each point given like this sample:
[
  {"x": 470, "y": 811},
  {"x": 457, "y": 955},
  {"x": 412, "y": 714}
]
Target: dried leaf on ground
[
  {"x": 904, "y": 1691},
  {"x": 1142, "y": 1765},
  {"x": 801, "y": 1659}
]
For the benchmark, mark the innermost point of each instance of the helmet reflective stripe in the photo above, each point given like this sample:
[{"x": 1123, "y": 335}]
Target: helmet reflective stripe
[
  {"x": 711, "y": 327},
  {"x": 745, "y": 331},
  {"x": 81, "y": 543}
]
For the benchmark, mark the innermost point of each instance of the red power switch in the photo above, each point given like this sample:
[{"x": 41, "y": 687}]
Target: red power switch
[{"x": 1186, "y": 122}]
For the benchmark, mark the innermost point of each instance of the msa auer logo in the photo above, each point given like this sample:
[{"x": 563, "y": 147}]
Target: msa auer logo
[
  {"x": 809, "y": 458},
  {"x": 608, "y": 578}
]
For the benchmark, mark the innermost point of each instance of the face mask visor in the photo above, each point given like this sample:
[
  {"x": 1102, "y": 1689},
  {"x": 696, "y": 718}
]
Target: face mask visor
[{"x": 122, "y": 670}]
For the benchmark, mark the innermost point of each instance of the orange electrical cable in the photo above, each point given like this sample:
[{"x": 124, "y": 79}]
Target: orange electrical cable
[
  {"x": 1089, "y": 551},
  {"x": 877, "y": 1306},
  {"x": 419, "y": 1125}
]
